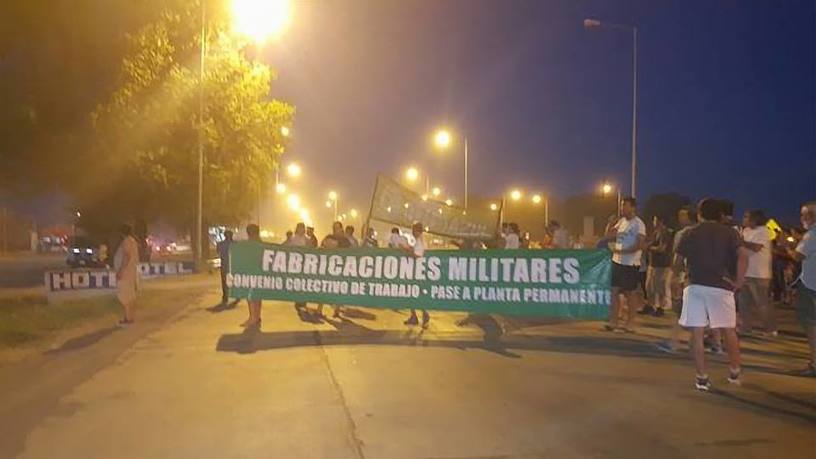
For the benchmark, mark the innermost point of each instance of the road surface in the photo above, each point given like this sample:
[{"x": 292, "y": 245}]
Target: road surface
[{"x": 194, "y": 385}]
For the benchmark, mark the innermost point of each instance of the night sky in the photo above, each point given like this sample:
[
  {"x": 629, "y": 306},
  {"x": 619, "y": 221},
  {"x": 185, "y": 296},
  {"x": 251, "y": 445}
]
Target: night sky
[{"x": 727, "y": 95}]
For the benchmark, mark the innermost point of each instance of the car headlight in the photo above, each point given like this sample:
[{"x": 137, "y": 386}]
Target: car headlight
[
  {"x": 75, "y": 250},
  {"x": 88, "y": 250}
]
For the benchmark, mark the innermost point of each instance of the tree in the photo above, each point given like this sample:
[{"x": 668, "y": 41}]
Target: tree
[{"x": 148, "y": 128}]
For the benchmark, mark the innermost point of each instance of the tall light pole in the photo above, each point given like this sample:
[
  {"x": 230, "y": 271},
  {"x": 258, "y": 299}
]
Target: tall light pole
[
  {"x": 594, "y": 23},
  {"x": 442, "y": 139},
  {"x": 258, "y": 20}
]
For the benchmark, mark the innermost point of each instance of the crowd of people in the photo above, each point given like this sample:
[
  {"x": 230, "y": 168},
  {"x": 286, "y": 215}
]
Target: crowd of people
[{"x": 719, "y": 279}]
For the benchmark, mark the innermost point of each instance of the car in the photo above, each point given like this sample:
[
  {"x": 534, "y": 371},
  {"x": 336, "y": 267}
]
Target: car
[{"x": 83, "y": 253}]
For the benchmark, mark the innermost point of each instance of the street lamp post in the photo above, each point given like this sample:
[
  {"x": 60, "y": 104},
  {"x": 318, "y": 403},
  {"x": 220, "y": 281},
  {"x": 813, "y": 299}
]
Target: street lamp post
[
  {"x": 442, "y": 139},
  {"x": 594, "y": 23},
  {"x": 258, "y": 21}
]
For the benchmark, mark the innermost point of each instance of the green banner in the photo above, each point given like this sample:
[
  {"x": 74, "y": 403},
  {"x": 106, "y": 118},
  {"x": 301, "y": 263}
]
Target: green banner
[
  {"x": 395, "y": 204},
  {"x": 552, "y": 283}
]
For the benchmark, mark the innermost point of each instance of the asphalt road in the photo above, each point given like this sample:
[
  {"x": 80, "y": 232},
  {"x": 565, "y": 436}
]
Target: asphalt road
[{"x": 192, "y": 384}]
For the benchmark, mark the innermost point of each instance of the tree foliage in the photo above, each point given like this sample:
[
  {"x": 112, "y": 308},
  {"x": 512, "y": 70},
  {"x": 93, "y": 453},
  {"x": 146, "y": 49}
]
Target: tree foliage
[{"x": 148, "y": 128}]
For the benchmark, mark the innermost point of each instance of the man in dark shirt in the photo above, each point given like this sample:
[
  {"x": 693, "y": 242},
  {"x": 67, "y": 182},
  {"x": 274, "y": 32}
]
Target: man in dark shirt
[
  {"x": 658, "y": 274},
  {"x": 336, "y": 240},
  {"x": 712, "y": 252}
]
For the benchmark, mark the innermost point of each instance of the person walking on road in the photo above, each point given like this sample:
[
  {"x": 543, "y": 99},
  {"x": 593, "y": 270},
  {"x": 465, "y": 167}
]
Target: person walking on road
[
  {"x": 713, "y": 253},
  {"x": 125, "y": 262},
  {"x": 658, "y": 274},
  {"x": 679, "y": 281},
  {"x": 353, "y": 242},
  {"x": 629, "y": 234},
  {"x": 223, "y": 254},
  {"x": 336, "y": 240},
  {"x": 417, "y": 251},
  {"x": 805, "y": 253},
  {"x": 254, "y": 305},
  {"x": 754, "y": 297},
  {"x": 299, "y": 239}
]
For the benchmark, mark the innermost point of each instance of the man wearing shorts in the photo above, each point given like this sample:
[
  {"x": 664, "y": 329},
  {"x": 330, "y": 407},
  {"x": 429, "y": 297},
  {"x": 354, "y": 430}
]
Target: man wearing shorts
[
  {"x": 806, "y": 300},
  {"x": 629, "y": 234},
  {"x": 712, "y": 252}
]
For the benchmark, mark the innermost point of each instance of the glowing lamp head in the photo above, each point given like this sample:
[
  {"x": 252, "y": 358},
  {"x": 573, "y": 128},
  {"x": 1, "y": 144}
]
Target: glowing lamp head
[
  {"x": 493, "y": 206},
  {"x": 536, "y": 199},
  {"x": 280, "y": 188},
  {"x": 436, "y": 191},
  {"x": 294, "y": 170},
  {"x": 442, "y": 139},
  {"x": 333, "y": 195},
  {"x": 515, "y": 195},
  {"x": 261, "y": 19},
  {"x": 412, "y": 174}
]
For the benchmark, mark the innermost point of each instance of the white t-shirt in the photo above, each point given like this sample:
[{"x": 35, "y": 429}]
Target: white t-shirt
[
  {"x": 511, "y": 241},
  {"x": 130, "y": 247},
  {"x": 419, "y": 246},
  {"x": 759, "y": 263},
  {"x": 628, "y": 231},
  {"x": 397, "y": 241},
  {"x": 298, "y": 240},
  {"x": 807, "y": 247}
]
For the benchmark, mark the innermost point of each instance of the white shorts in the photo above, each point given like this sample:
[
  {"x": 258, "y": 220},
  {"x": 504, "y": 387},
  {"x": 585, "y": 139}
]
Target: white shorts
[{"x": 705, "y": 306}]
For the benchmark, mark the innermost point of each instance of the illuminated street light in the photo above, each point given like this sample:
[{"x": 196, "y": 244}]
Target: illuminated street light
[
  {"x": 406, "y": 205},
  {"x": 333, "y": 202},
  {"x": 412, "y": 174},
  {"x": 285, "y": 131},
  {"x": 424, "y": 197},
  {"x": 280, "y": 188},
  {"x": 353, "y": 213},
  {"x": 293, "y": 201},
  {"x": 294, "y": 170},
  {"x": 515, "y": 195},
  {"x": 304, "y": 215},
  {"x": 449, "y": 202},
  {"x": 494, "y": 207},
  {"x": 442, "y": 139},
  {"x": 436, "y": 191},
  {"x": 261, "y": 19},
  {"x": 606, "y": 188},
  {"x": 536, "y": 199}
]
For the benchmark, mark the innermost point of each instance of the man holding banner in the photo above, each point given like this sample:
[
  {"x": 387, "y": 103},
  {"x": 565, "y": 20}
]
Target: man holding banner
[{"x": 417, "y": 251}]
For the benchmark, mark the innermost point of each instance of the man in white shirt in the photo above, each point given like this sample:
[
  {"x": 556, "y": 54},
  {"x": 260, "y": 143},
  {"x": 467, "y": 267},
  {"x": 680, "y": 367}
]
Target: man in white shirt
[
  {"x": 299, "y": 239},
  {"x": 125, "y": 262},
  {"x": 753, "y": 296},
  {"x": 806, "y": 301},
  {"x": 417, "y": 251},
  {"x": 511, "y": 239},
  {"x": 629, "y": 235}
]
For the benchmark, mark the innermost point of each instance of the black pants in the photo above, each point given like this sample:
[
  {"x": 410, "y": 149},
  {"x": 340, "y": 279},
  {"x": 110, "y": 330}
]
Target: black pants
[{"x": 224, "y": 288}]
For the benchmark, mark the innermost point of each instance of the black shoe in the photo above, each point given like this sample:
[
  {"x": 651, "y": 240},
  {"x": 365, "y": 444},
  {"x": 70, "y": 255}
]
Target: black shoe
[
  {"x": 702, "y": 383},
  {"x": 647, "y": 310},
  {"x": 659, "y": 312},
  {"x": 412, "y": 321}
]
